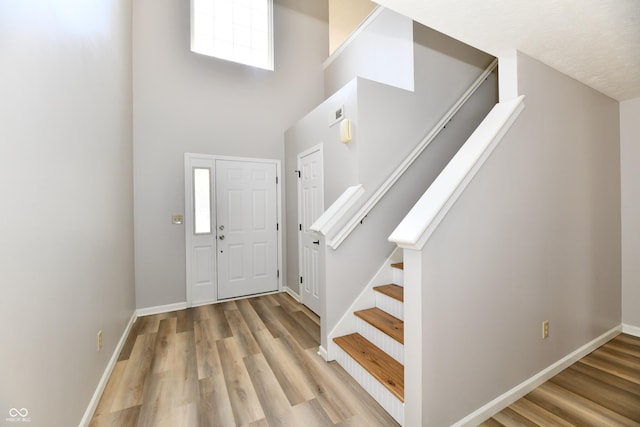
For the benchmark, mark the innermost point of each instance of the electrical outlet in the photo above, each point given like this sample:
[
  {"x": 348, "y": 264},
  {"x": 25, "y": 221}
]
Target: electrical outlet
[
  {"x": 100, "y": 340},
  {"x": 545, "y": 329}
]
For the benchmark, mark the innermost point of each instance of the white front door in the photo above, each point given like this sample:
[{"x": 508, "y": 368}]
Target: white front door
[
  {"x": 246, "y": 228},
  {"x": 310, "y": 207}
]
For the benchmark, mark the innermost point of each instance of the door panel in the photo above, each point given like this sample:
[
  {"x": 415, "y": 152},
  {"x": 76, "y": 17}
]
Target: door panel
[
  {"x": 200, "y": 240},
  {"x": 203, "y": 259},
  {"x": 311, "y": 206},
  {"x": 246, "y": 215}
]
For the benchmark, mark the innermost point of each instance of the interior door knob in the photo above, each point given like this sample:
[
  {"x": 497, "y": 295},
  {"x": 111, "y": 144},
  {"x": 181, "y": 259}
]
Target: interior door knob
[
  {"x": 316, "y": 242},
  {"x": 221, "y": 237}
]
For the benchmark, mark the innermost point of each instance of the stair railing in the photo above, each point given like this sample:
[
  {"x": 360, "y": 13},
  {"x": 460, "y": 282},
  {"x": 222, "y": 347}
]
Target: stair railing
[
  {"x": 425, "y": 216},
  {"x": 328, "y": 224}
]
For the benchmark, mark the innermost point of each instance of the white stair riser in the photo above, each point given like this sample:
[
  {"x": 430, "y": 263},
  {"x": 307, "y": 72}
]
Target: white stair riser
[
  {"x": 384, "y": 397},
  {"x": 390, "y": 305},
  {"x": 398, "y": 276},
  {"x": 381, "y": 340}
]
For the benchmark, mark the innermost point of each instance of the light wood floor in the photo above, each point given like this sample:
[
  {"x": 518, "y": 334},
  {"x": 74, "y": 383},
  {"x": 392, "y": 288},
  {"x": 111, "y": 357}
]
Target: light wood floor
[
  {"x": 602, "y": 389},
  {"x": 250, "y": 362}
]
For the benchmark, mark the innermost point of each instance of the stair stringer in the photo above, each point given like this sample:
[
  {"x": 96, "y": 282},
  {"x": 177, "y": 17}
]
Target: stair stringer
[{"x": 366, "y": 299}]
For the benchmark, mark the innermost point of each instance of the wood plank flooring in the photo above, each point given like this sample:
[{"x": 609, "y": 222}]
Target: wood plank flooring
[
  {"x": 602, "y": 389},
  {"x": 249, "y": 362}
]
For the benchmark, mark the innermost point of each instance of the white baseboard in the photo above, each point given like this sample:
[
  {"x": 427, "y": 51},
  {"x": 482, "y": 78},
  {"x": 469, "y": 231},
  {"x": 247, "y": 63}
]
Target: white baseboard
[
  {"x": 501, "y": 402},
  {"x": 293, "y": 294},
  {"x": 93, "y": 403},
  {"x": 631, "y": 330},
  {"x": 322, "y": 352},
  {"x": 147, "y": 311}
]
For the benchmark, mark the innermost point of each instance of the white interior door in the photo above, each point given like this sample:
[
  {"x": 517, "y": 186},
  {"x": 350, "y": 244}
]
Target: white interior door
[
  {"x": 247, "y": 228},
  {"x": 310, "y": 207}
]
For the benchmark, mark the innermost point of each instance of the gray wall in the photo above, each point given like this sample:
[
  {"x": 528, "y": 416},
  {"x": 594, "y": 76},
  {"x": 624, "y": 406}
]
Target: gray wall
[
  {"x": 535, "y": 236},
  {"x": 184, "y": 102},
  {"x": 629, "y": 160},
  {"x": 396, "y": 120},
  {"x": 66, "y": 227},
  {"x": 382, "y": 52}
]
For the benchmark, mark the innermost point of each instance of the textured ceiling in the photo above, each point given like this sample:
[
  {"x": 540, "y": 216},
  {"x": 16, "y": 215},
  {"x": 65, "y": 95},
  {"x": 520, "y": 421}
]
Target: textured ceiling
[{"x": 594, "y": 41}]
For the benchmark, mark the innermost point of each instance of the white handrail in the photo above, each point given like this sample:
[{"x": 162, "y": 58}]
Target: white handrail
[
  {"x": 422, "y": 220},
  {"x": 335, "y": 240},
  {"x": 337, "y": 210}
]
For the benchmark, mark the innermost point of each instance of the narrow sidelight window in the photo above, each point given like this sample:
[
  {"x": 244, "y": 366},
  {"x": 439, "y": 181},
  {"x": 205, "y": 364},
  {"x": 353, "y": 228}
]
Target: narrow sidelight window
[{"x": 202, "y": 200}]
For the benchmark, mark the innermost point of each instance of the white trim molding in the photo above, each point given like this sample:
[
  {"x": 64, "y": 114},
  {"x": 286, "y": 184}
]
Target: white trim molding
[
  {"x": 322, "y": 352},
  {"x": 423, "y": 219},
  {"x": 148, "y": 311},
  {"x": 631, "y": 330},
  {"x": 95, "y": 399},
  {"x": 501, "y": 402},
  {"x": 293, "y": 294}
]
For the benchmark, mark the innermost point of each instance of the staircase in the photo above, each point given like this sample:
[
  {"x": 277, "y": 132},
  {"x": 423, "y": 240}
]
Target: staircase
[{"x": 374, "y": 354}]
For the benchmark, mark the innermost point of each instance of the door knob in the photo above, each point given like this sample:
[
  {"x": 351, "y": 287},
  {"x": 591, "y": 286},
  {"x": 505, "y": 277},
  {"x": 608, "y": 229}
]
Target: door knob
[
  {"x": 221, "y": 237},
  {"x": 316, "y": 242}
]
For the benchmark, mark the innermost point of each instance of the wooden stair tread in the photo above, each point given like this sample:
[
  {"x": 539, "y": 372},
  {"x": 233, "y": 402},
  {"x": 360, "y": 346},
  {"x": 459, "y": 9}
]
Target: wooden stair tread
[
  {"x": 383, "y": 367},
  {"x": 393, "y": 291},
  {"x": 399, "y": 265},
  {"x": 385, "y": 322}
]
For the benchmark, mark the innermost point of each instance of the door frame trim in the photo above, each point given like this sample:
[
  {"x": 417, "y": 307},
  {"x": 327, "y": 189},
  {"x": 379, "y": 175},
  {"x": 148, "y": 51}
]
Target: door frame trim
[
  {"x": 188, "y": 218},
  {"x": 318, "y": 147}
]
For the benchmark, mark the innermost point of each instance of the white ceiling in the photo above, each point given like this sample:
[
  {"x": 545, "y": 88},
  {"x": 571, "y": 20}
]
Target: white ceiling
[{"x": 594, "y": 41}]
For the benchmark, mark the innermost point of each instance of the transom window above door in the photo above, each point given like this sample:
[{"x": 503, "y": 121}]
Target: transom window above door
[{"x": 235, "y": 30}]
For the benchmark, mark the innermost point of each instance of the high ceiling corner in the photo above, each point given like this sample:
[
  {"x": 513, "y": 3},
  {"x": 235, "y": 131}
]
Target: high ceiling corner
[{"x": 597, "y": 42}]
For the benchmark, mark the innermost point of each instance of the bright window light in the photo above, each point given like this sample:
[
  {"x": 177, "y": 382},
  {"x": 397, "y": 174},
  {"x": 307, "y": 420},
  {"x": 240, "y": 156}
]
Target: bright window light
[
  {"x": 235, "y": 30},
  {"x": 202, "y": 200}
]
